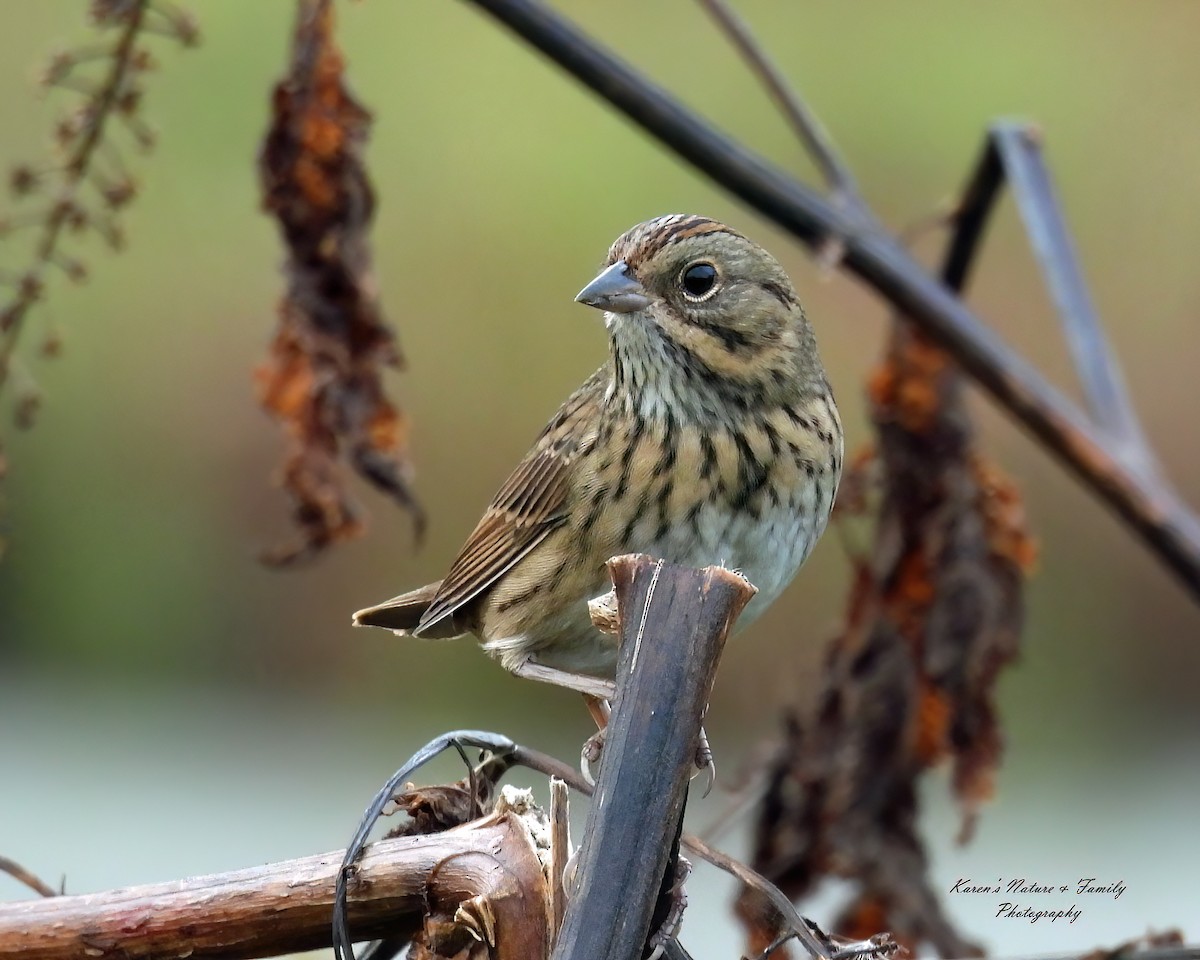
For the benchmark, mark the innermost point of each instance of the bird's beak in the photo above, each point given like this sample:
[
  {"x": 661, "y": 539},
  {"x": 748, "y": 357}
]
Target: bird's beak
[{"x": 615, "y": 291}]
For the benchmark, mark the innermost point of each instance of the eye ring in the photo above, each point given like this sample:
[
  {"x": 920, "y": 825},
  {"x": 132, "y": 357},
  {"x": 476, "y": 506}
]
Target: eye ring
[{"x": 699, "y": 281}]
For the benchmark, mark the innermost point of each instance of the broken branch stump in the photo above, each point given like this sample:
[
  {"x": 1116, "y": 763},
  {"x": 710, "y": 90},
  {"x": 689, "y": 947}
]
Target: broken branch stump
[{"x": 674, "y": 622}]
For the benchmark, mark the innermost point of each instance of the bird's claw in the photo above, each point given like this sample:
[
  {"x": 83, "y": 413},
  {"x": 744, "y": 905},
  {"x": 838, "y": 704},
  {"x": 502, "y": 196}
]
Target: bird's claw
[
  {"x": 589, "y": 755},
  {"x": 592, "y": 751},
  {"x": 705, "y": 764},
  {"x": 669, "y": 928}
]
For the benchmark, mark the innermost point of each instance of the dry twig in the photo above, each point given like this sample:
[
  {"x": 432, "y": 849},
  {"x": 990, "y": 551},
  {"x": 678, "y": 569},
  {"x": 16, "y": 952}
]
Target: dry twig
[
  {"x": 804, "y": 123},
  {"x": 31, "y": 880},
  {"x": 1146, "y": 503},
  {"x": 80, "y": 191}
]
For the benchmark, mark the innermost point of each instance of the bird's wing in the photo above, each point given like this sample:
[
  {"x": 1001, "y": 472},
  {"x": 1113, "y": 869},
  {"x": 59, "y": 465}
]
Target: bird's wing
[{"x": 533, "y": 501}]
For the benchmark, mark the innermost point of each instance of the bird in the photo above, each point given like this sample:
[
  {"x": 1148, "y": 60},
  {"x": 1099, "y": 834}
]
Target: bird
[{"x": 710, "y": 435}]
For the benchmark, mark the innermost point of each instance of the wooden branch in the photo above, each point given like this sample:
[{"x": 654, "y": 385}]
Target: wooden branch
[
  {"x": 674, "y": 621},
  {"x": 1151, "y": 508},
  {"x": 485, "y": 871},
  {"x": 291, "y": 901}
]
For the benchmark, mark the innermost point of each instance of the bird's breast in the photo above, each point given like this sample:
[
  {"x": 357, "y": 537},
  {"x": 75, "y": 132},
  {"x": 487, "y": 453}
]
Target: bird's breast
[
  {"x": 767, "y": 545},
  {"x": 754, "y": 496}
]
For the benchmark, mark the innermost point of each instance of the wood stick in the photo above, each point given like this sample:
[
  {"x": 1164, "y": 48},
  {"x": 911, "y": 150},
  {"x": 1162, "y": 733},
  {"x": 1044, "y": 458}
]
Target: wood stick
[
  {"x": 674, "y": 621},
  {"x": 284, "y": 907}
]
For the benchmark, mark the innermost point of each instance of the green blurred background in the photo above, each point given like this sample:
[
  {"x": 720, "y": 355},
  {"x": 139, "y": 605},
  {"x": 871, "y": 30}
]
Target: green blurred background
[{"x": 168, "y": 706}]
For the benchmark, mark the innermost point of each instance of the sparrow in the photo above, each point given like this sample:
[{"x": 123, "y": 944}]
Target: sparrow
[{"x": 709, "y": 436}]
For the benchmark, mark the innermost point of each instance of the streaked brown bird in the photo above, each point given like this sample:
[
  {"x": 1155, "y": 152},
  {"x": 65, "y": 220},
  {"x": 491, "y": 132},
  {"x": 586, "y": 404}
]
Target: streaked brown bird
[{"x": 709, "y": 436}]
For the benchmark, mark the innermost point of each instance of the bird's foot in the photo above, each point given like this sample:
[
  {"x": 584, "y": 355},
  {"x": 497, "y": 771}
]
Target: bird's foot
[
  {"x": 590, "y": 754},
  {"x": 705, "y": 763},
  {"x": 669, "y": 928}
]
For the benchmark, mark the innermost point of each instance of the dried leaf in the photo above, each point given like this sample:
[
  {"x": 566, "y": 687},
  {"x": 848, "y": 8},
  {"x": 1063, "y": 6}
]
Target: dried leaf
[
  {"x": 934, "y": 614},
  {"x": 323, "y": 378},
  {"x": 456, "y": 928},
  {"x": 434, "y": 809}
]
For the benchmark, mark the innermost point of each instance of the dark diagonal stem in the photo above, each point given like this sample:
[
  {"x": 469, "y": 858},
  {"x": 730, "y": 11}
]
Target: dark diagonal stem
[
  {"x": 1146, "y": 504},
  {"x": 804, "y": 123},
  {"x": 1019, "y": 149}
]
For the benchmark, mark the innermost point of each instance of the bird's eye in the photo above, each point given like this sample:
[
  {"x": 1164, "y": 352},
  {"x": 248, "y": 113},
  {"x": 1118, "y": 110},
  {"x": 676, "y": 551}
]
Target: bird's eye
[{"x": 699, "y": 281}]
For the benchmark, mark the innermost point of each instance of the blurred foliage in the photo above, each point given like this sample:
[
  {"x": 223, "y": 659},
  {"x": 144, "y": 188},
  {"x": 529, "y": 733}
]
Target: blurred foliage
[{"x": 136, "y": 509}]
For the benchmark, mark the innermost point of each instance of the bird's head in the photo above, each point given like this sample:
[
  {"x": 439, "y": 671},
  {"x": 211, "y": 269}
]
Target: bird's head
[{"x": 698, "y": 314}]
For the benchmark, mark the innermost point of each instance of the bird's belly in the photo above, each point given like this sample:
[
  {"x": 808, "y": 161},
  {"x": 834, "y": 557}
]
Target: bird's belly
[{"x": 767, "y": 548}]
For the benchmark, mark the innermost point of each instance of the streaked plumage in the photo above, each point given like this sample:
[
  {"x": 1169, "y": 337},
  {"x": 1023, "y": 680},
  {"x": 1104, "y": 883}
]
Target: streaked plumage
[{"x": 709, "y": 436}]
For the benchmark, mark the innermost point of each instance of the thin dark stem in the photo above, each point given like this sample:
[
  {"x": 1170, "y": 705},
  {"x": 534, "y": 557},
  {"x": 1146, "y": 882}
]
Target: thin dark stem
[
  {"x": 1012, "y": 157},
  {"x": 1148, "y": 505},
  {"x": 804, "y": 123},
  {"x": 104, "y": 102},
  {"x": 800, "y": 927},
  {"x": 499, "y": 745},
  {"x": 31, "y": 880},
  {"x": 1019, "y": 148}
]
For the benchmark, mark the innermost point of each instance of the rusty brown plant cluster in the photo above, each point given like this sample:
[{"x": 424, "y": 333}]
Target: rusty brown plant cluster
[
  {"x": 934, "y": 613},
  {"x": 86, "y": 185},
  {"x": 323, "y": 378}
]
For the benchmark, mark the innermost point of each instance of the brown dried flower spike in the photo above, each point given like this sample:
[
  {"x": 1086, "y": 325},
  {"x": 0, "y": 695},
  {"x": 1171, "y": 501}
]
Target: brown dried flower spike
[{"x": 323, "y": 379}]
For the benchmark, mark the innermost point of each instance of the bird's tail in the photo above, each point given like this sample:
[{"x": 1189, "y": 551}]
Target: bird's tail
[{"x": 403, "y": 614}]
